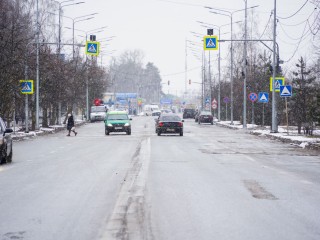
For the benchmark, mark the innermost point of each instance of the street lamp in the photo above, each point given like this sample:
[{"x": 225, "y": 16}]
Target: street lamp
[
  {"x": 230, "y": 15},
  {"x": 74, "y": 21},
  {"x": 219, "y": 59},
  {"x": 59, "y": 41},
  {"x": 60, "y": 10},
  {"x": 87, "y": 83}
]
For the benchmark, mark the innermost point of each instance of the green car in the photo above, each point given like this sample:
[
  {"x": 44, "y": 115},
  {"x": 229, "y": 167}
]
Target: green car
[{"x": 117, "y": 121}]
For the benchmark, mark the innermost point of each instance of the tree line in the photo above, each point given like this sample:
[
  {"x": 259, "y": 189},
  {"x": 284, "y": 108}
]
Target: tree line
[{"x": 64, "y": 79}]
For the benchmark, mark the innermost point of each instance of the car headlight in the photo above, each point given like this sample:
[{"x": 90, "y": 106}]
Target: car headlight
[
  {"x": 127, "y": 125},
  {"x": 109, "y": 125}
]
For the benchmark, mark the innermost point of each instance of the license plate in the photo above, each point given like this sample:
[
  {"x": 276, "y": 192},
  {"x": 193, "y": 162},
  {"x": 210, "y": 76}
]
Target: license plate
[
  {"x": 170, "y": 130},
  {"x": 118, "y": 128},
  {"x": 205, "y": 117}
]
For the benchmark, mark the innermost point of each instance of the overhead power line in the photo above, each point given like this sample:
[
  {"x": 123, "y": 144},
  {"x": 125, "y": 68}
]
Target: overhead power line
[{"x": 295, "y": 12}]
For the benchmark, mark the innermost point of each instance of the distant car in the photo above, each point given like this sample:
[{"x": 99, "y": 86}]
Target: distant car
[
  {"x": 5, "y": 143},
  {"x": 189, "y": 113},
  {"x": 156, "y": 113},
  {"x": 98, "y": 113},
  {"x": 205, "y": 117},
  {"x": 169, "y": 123},
  {"x": 117, "y": 121}
]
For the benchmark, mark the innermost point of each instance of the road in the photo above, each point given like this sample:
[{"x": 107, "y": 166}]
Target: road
[{"x": 212, "y": 183}]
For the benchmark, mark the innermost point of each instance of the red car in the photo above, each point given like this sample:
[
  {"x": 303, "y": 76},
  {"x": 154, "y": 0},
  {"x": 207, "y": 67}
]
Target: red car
[{"x": 205, "y": 117}]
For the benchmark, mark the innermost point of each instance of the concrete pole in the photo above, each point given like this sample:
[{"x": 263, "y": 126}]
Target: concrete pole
[
  {"x": 245, "y": 71},
  {"x": 37, "y": 71},
  {"x": 219, "y": 97},
  {"x": 231, "y": 72},
  {"x": 274, "y": 127}
]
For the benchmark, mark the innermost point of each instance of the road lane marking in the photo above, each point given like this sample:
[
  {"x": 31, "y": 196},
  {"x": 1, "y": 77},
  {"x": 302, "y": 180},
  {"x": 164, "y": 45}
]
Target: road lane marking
[{"x": 129, "y": 219}]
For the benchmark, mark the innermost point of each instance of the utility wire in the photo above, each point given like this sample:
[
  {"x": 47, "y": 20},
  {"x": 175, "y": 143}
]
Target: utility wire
[
  {"x": 266, "y": 25},
  {"x": 295, "y": 12},
  {"x": 294, "y": 53}
]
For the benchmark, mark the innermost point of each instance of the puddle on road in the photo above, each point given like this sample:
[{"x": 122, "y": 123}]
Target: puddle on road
[{"x": 257, "y": 191}]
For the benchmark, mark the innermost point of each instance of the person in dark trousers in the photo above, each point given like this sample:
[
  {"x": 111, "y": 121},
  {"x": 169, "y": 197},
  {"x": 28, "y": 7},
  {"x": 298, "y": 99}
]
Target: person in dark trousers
[{"x": 70, "y": 125}]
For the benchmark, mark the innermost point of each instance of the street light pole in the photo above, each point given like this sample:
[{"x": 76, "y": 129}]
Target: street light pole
[
  {"x": 230, "y": 14},
  {"x": 74, "y": 22},
  {"x": 245, "y": 72},
  {"x": 37, "y": 66},
  {"x": 274, "y": 127}
]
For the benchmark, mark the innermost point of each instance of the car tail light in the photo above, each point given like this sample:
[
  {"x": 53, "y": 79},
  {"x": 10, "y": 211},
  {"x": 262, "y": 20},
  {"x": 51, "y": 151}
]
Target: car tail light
[
  {"x": 160, "y": 124},
  {"x": 180, "y": 124}
]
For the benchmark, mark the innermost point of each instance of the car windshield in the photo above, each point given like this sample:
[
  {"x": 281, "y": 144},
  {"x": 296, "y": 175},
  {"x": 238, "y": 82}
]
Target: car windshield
[
  {"x": 172, "y": 118},
  {"x": 98, "y": 109},
  {"x": 118, "y": 117}
]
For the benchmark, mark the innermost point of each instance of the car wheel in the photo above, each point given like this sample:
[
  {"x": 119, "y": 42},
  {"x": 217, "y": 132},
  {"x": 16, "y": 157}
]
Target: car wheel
[
  {"x": 3, "y": 156},
  {"x": 106, "y": 132},
  {"x": 211, "y": 123},
  {"x": 129, "y": 132},
  {"x": 198, "y": 121},
  {"x": 9, "y": 158},
  {"x": 159, "y": 133},
  {"x": 181, "y": 133}
]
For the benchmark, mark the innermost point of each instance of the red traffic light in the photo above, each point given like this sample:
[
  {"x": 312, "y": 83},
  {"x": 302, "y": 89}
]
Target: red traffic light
[{"x": 98, "y": 102}]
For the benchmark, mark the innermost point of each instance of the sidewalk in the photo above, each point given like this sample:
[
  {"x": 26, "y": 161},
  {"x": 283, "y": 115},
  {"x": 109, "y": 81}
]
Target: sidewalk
[
  {"x": 301, "y": 140},
  {"x": 19, "y": 134}
]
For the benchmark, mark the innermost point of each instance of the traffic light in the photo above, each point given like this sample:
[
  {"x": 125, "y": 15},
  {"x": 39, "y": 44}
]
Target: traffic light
[
  {"x": 168, "y": 82},
  {"x": 98, "y": 102},
  {"x": 189, "y": 81}
]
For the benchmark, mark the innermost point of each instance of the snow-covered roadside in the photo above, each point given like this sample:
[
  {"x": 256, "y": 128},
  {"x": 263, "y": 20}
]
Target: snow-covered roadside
[
  {"x": 301, "y": 140},
  {"x": 18, "y": 135}
]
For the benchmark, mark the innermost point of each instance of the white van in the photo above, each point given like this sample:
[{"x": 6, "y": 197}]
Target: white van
[{"x": 148, "y": 109}]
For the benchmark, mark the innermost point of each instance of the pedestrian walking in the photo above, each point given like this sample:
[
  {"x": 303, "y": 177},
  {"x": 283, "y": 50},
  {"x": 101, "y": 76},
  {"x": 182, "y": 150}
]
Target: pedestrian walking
[{"x": 70, "y": 125}]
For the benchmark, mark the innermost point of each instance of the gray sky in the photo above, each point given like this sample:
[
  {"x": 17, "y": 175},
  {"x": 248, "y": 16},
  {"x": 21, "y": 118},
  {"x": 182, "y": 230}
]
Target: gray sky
[{"x": 160, "y": 28}]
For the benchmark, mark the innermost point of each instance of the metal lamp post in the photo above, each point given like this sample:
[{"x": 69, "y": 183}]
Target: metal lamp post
[
  {"x": 230, "y": 15},
  {"x": 219, "y": 59}
]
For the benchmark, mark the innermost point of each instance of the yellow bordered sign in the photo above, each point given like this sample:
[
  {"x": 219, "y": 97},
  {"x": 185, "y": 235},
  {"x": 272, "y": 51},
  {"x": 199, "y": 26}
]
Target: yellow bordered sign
[
  {"x": 279, "y": 81},
  {"x": 210, "y": 42},
  {"x": 92, "y": 48},
  {"x": 26, "y": 86}
]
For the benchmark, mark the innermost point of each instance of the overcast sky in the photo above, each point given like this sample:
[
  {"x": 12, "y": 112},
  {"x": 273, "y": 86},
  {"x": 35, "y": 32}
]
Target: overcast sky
[{"x": 160, "y": 28}]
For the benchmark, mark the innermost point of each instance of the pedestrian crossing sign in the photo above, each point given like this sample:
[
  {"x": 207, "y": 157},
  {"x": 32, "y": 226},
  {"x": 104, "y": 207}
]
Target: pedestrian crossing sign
[
  {"x": 210, "y": 42},
  {"x": 92, "y": 48},
  {"x": 26, "y": 86},
  {"x": 279, "y": 81},
  {"x": 263, "y": 97},
  {"x": 286, "y": 91}
]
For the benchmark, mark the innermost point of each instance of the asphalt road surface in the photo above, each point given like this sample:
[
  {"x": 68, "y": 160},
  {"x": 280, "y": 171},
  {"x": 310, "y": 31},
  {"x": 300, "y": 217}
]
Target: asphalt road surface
[{"x": 212, "y": 183}]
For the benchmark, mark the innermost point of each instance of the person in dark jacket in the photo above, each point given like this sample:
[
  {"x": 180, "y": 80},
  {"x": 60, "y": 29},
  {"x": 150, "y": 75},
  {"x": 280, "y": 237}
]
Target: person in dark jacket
[{"x": 70, "y": 125}]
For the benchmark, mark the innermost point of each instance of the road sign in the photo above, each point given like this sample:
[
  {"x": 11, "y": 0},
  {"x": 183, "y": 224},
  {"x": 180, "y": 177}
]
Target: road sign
[
  {"x": 207, "y": 100},
  {"x": 253, "y": 97},
  {"x": 210, "y": 42},
  {"x": 26, "y": 86},
  {"x": 226, "y": 99},
  {"x": 263, "y": 97},
  {"x": 279, "y": 81},
  {"x": 286, "y": 91},
  {"x": 214, "y": 104},
  {"x": 92, "y": 48}
]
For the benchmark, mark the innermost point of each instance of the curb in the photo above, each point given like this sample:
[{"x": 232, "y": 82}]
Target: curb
[
  {"x": 19, "y": 136},
  {"x": 308, "y": 145}
]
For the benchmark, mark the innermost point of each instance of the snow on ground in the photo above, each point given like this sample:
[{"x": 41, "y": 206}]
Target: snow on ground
[{"x": 292, "y": 135}]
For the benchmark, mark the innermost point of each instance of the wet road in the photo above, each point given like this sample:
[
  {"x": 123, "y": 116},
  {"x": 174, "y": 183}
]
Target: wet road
[{"x": 212, "y": 183}]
